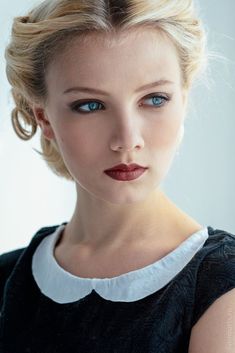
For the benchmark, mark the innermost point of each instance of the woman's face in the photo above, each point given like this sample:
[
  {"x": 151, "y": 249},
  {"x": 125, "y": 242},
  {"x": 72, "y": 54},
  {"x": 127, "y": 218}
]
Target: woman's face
[{"x": 125, "y": 123}]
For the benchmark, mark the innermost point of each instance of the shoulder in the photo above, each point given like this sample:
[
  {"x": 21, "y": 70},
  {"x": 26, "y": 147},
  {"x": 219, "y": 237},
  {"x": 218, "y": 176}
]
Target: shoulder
[
  {"x": 7, "y": 263},
  {"x": 214, "y": 307},
  {"x": 215, "y": 296},
  {"x": 216, "y": 271},
  {"x": 215, "y": 330},
  {"x": 218, "y": 250},
  {"x": 10, "y": 260},
  {"x": 223, "y": 236}
]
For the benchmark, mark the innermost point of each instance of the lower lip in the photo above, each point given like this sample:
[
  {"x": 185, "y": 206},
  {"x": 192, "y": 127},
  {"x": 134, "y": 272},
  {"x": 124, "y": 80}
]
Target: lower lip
[{"x": 126, "y": 176}]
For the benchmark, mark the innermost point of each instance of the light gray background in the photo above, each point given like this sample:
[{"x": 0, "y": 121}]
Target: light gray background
[{"x": 201, "y": 180}]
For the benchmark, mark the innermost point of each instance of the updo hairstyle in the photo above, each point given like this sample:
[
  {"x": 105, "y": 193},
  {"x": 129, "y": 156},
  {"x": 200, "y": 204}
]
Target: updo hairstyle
[{"x": 38, "y": 37}]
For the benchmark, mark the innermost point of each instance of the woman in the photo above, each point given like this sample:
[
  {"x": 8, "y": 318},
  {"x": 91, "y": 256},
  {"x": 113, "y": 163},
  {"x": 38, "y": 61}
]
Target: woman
[{"x": 107, "y": 82}]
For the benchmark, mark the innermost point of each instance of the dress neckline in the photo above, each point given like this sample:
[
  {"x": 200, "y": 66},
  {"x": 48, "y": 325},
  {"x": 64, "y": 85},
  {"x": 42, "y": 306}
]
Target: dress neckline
[{"x": 64, "y": 287}]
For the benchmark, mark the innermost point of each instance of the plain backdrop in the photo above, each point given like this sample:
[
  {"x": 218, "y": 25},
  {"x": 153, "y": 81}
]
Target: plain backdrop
[{"x": 201, "y": 180}]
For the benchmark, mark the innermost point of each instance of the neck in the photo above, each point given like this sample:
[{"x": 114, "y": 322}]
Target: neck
[{"x": 98, "y": 224}]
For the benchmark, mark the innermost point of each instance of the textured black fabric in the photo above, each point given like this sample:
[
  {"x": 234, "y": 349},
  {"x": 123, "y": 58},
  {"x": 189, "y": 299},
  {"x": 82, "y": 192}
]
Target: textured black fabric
[{"x": 159, "y": 323}]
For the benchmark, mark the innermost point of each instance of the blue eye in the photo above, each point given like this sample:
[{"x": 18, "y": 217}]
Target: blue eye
[
  {"x": 158, "y": 101},
  {"x": 93, "y": 106}
]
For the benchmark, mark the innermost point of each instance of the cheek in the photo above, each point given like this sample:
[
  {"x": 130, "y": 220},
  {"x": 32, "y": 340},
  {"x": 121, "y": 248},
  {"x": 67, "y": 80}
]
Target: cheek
[
  {"x": 78, "y": 145},
  {"x": 164, "y": 133}
]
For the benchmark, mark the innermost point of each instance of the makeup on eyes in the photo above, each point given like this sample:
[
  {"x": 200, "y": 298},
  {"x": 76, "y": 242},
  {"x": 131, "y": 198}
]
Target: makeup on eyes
[{"x": 74, "y": 106}]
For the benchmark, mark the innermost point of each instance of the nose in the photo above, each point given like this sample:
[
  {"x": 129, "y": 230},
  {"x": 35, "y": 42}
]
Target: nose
[{"x": 127, "y": 135}]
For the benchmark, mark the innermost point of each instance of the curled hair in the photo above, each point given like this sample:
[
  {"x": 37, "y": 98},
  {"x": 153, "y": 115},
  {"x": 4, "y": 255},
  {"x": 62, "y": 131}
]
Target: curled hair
[{"x": 39, "y": 36}]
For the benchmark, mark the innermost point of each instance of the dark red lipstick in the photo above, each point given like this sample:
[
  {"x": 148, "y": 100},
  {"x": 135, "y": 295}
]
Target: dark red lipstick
[{"x": 124, "y": 172}]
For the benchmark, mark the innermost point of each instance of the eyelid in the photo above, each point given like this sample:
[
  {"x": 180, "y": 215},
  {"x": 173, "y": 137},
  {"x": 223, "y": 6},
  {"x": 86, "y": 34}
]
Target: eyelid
[
  {"x": 166, "y": 96},
  {"x": 84, "y": 101},
  {"x": 88, "y": 100}
]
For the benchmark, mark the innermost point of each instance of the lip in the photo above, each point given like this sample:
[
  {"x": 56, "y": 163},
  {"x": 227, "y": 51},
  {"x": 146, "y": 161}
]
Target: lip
[
  {"x": 125, "y": 168},
  {"x": 126, "y": 175}
]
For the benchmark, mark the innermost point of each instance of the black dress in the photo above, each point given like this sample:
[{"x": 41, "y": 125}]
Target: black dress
[{"x": 44, "y": 309}]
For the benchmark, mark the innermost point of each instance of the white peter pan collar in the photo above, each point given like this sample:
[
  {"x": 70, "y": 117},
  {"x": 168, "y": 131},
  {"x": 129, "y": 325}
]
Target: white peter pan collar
[{"x": 64, "y": 287}]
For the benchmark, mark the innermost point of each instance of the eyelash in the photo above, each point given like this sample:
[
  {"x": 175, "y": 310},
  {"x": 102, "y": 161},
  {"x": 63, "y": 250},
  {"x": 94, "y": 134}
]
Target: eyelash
[{"x": 78, "y": 104}]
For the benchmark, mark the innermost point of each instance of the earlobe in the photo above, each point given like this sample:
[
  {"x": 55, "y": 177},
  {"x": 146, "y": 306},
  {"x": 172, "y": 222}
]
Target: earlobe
[{"x": 43, "y": 121}]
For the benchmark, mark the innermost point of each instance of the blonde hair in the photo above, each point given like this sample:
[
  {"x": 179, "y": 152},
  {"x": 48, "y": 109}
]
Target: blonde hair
[{"x": 37, "y": 37}]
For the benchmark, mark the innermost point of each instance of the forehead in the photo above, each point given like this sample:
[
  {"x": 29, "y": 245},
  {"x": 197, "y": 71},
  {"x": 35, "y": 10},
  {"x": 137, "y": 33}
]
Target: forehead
[
  {"x": 141, "y": 42},
  {"x": 134, "y": 55}
]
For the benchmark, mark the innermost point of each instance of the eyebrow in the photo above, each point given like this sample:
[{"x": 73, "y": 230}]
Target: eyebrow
[{"x": 98, "y": 91}]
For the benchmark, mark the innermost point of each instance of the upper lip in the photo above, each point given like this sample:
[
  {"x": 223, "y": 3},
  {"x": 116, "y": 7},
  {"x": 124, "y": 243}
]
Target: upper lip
[{"x": 125, "y": 167}]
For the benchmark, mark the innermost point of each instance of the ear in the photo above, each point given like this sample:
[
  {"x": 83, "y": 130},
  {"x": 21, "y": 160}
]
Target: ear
[{"x": 43, "y": 121}]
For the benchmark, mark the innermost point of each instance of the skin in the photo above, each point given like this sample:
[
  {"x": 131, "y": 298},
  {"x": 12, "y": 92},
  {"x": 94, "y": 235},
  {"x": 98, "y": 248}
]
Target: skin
[{"x": 119, "y": 225}]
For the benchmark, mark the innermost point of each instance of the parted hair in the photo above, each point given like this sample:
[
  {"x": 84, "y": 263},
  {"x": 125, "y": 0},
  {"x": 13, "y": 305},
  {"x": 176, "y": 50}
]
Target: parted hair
[{"x": 39, "y": 36}]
